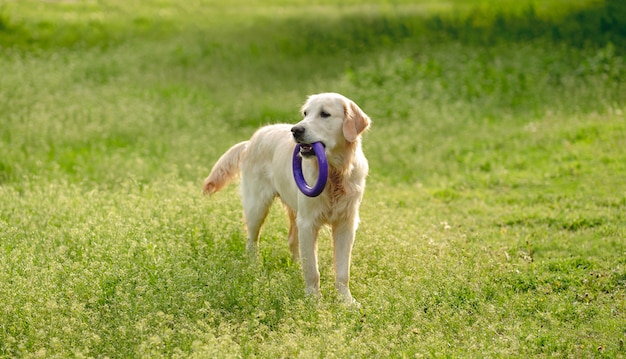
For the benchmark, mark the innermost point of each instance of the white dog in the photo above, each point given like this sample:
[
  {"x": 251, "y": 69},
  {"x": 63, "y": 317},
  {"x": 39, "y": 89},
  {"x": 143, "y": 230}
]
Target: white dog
[{"x": 265, "y": 163}]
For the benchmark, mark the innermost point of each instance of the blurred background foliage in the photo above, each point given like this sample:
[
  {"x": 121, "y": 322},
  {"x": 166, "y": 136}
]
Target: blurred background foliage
[{"x": 577, "y": 23}]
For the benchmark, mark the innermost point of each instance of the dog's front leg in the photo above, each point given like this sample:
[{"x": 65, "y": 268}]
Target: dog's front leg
[
  {"x": 307, "y": 238},
  {"x": 343, "y": 239}
]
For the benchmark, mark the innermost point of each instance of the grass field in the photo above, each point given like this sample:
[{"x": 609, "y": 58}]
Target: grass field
[{"x": 493, "y": 225}]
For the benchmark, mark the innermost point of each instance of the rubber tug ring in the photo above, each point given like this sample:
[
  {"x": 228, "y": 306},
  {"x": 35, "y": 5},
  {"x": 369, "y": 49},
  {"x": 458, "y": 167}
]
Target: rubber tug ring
[{"x": 322, "y": 163}]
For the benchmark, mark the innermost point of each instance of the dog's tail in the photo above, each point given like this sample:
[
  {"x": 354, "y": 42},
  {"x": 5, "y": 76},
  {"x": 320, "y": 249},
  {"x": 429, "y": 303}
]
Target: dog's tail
[{"x": 226, "y": 169}]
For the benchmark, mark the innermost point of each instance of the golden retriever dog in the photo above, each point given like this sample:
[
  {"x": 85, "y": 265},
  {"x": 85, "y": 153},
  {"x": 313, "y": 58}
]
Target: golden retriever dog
[{"x": 265, "y": 164}]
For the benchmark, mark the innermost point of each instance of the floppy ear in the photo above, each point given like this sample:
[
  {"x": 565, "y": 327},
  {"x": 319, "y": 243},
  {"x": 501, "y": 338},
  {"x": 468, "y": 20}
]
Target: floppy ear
[{"x": 355, "y": 121}]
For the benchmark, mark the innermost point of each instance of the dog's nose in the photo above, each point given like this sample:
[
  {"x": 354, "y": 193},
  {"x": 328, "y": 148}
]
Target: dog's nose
[{"x": 297, "y": 131}]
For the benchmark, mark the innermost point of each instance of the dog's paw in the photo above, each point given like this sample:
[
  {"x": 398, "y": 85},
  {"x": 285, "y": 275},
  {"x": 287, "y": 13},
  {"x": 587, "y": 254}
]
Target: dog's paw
[
  {"x": 346, "y": 297},
  {"x": 313, "y": 292},
  {"x": 350, "y": 302}
]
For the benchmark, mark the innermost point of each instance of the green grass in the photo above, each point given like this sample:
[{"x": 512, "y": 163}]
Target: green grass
[{"x": 493, "y": 223}]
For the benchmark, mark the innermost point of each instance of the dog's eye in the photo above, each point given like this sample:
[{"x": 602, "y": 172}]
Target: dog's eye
[
  {"x": 304, "y": 113},
  {"x": 325, "y": 114}
]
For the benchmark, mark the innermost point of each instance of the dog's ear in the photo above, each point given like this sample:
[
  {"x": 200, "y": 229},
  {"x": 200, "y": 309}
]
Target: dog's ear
[{"x": 355, "y": 121}]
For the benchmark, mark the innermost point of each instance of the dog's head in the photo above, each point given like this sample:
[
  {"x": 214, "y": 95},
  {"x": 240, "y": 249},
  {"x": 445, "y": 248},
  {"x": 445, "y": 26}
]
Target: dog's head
[{"x": 331, "y": 119}]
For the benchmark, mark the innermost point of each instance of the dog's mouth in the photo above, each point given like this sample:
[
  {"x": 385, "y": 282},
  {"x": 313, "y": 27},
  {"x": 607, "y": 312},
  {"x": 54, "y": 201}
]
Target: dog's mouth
[{"x": 307, "y": 150}]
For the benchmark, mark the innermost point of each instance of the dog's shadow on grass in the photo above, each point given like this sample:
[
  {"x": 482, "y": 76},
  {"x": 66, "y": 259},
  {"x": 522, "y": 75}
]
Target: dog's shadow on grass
[{"x": 236, "y": 281}]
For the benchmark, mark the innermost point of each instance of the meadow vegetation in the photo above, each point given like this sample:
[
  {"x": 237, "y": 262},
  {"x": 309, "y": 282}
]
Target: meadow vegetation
[{"x": 493, "y": 224}]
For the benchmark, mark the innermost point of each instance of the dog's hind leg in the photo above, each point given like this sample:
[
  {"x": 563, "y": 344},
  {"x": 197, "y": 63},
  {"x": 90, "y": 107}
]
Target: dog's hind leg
[
  {"x": 292, "y": 237},
  {"x": 256, "y": 204}
]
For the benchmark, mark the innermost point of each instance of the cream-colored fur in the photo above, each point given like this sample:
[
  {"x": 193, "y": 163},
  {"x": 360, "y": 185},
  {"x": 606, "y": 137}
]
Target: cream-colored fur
[{"x": 265, "y": 165}]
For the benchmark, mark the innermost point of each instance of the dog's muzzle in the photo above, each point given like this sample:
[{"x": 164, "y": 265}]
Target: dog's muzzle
[
  {"x": 298, "y": 133},
  {"x": 306, "y": 149}
]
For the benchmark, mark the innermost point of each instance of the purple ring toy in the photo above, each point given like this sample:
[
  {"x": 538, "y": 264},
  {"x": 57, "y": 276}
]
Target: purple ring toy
[{"x": 322, "y": 163}]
